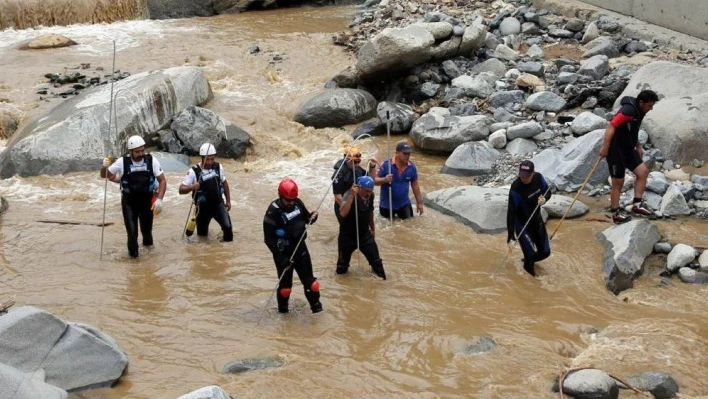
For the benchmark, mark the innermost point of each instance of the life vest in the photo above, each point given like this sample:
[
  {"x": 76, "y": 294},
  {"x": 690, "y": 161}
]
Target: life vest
[
  {"x": 210, "y": 187},
  {"x": 137, "y": 179},
  {"x": 294, "y": 223}
]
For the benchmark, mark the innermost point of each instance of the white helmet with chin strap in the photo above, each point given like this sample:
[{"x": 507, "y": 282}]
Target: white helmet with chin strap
[
  {"x": 207, "y": 149},
  {"x": 135, "y": 142}
]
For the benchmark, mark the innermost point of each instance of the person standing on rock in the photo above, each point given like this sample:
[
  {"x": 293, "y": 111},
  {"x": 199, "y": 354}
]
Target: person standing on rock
[
  {"x": 138, "y": 174},
  {"x": 207, "y": 181},
  {"x": 284, "y": 231},
  {"x": 363, "y": 193},
  {"x": 404, "y": 174},
  {"x": 526, "y": 195},
  {"x": 622, "y": 150}
]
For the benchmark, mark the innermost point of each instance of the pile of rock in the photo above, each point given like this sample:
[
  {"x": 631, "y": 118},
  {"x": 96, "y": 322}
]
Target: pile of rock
[
  {"x": 685, "y": 261},
  {"x": 593, "y": 383},
  {"x": 72, "y": 83}
]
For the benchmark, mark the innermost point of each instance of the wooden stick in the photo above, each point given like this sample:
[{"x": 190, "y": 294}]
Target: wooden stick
[
  {"x": 75, "y": 222},
  {"x": 576, "y": 198}
]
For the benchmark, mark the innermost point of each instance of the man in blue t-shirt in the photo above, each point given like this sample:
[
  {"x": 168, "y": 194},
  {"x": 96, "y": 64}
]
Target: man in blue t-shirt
[{"x": 403, "y": 174}]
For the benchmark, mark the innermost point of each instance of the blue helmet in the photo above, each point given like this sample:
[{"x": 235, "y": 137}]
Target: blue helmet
[{"x": 365, "y": 182}]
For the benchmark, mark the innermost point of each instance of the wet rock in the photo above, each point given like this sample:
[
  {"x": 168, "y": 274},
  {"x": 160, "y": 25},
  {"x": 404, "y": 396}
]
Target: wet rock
[
  {"x": 244, "y": 365},
  {"x": 595, "y": 67},
  {"x": 703, "y": 259},
  {"x": 656, "y": 182},
  {"x": 51, "y": 40},
  {"x": 587, "y": 122},
  {"x": 473, "y": 86},
  {"x": 29, "y": 385},
  {"x": 471, "y": 159},
  {"x": 520, "y": 147},
  {"x": 567, "y": 168},
  {"x": 662, "y": 247},
  {"x": 335, "y": 108},
  {"x": 545, "y": 101},
  {"x": 690, "y": 276},
  {"x": 155, "y": 97},
  {"x": 401, "y": 116},
  {"x": 558, "y": 205},
  {"x": 441, "y": 132},
  {"x": 524, "y": 130},
  {"x": 676, "y": 125},
  {"x": 674, "y": 202},
  {"x": 254, "y": 49},
  {"x": 591, "y": 33},
  {"x": 498, "y": 139},
  {"x": 8, "y": 121},
  {"x": 510, "y": 26},
  {"x": 483, "y": 209},
  {"x": 171, "y": 162},
  {"x": 659, "y": 384},
  {"x": 504, "y": 98},
  {"x": 74, "y": 356},
  {"x": 680, "y": 256},
  {"x": 601, "y": 46},
  {"x": 590, "y": 384},
  {"x": 195, "y": 126},
  {"x": 372, "y": 127},
  {"x": 505, "y": 53},
  {"x": 210, "y": 392},
  {"x": 480, "y": 346},
  {"x": 626, "y": 246}
]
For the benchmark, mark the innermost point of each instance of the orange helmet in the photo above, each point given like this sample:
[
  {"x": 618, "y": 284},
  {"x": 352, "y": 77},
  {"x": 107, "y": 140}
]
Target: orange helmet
[{"x": 353, "y": 154}]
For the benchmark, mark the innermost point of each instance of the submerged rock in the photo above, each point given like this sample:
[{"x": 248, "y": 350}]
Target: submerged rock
[{"x": 251, "y": 364}]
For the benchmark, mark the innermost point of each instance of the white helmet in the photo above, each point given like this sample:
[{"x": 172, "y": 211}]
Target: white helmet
[
  {"x": 207, "y": 149},
  {"x": 135, "y": 142}
]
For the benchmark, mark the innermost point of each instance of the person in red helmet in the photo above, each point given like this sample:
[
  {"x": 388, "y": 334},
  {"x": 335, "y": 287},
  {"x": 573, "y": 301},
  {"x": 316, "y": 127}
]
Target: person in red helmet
[{"x": 285, "y": 222}]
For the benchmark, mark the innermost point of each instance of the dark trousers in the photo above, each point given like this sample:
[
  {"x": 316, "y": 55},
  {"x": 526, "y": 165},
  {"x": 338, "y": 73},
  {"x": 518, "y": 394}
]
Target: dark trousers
[
  {"x": 367, "y": 245},
  {"x": 207, "y": 211},
  {"x": 403, "y": 213},
  {"x": 302, "y": 264},
  {"x": 535, "y": 245},
  {"x": 136, "y": 208}
]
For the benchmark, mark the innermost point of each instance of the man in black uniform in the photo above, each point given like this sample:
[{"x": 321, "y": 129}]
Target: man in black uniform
[
  {"x": 208, "y": 183},
  {"x": 363, "y": 194},
  {"x": 285, "y": 222},
  {"x": 345, "y": 175},
  {"x": 528, "y": 193},
  {"x": 143, "y": 185},
  {"x": 622, "y": 150}
]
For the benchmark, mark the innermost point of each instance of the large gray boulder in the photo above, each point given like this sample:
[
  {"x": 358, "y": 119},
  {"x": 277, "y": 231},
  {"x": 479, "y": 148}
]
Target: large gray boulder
[
  {"x": 568, "y": 168},
  {"x": 210, "y": 392},
  {"x": 401, "y": 116},
  {"x": 483, "y": 209},
  {"x": 144, "y": 103},
  {"x": 171, "y": 162},
  {"x": 677, "y": 123},
  {"x": 171, "y": 9},
  {"x": 336, "y": 108},
  {"x": 659, "y": 384},
  {"x": 690, "y": 276},
  {"x": 681, "y": 255},
  {"x": 438, "y": 131},
  {"x": 471, "y": 159},
  {"x": 674, "y": 203},
  {"x": 559, "y": 204},
  {"x": 394, "y": 49},
  {"x": 195, "y": 126},
  {"x": 590, "y": 384},
  {"x": 74, "y": 356},
  {"x": 625, "y": 248},
  {"x": 14, "y": 384}
]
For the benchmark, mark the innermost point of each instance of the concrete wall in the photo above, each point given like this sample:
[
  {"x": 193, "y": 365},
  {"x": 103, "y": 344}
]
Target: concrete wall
[{"x": 686, "y": 16}]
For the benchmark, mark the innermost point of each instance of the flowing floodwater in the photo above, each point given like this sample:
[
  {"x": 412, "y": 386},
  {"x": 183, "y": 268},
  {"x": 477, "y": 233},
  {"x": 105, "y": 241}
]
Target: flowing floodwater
[{"x": 187, "y": 307}]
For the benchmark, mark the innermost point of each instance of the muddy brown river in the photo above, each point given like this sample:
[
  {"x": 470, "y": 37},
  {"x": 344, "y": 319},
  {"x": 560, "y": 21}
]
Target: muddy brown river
[{"x": 187, "y": 307}]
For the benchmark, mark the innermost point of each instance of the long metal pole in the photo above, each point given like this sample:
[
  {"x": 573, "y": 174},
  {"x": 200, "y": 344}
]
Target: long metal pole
[
  {"x": 110, "y": 120},
  {"x": 390, "y": 161}
]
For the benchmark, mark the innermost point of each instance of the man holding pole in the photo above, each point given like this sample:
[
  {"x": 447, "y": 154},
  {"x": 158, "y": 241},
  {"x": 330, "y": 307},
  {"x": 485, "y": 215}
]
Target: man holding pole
[
  {"x": 523, "y": 218},
  {"x": 395, "y": 176}
]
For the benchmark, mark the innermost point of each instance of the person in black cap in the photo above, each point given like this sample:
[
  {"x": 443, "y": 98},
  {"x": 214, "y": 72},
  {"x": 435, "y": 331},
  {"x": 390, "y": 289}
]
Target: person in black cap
[
  {"x": 622, "y": 150},
  {"x": 528, "y": 193},
  {"x": 403, "y": 174}
]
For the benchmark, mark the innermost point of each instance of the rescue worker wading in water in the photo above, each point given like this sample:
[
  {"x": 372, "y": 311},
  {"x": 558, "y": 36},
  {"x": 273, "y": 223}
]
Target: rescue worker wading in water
[
  {"x": 284, "y": 223},
  {"x": 208, "y": 183},
  {"x": 138, "y": 174}
]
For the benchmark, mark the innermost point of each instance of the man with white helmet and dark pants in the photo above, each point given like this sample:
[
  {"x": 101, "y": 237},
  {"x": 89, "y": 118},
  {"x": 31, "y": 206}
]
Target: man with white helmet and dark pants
[
  {"x": 207, "y": 181},
  {"x": 138, "y": 174}
]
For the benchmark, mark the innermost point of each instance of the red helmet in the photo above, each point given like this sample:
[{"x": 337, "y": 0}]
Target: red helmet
[{"x": 287, "y": 189}]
